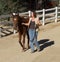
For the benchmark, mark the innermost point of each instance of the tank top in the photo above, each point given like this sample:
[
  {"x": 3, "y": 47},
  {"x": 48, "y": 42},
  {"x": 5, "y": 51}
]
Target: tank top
[{"x": 32, "y": 25}]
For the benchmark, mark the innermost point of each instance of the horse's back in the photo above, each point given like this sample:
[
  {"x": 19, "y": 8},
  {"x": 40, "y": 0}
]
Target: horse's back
[{"x": 25, "y": 19}]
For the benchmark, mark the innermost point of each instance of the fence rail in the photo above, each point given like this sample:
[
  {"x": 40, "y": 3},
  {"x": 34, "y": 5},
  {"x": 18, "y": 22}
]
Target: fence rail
[
  {"x": 51, "y": 13},
  {"x": 44, "y": 14}
]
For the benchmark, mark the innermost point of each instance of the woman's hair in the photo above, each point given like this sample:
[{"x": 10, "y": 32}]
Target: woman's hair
[{"x": 34, "y": 13}]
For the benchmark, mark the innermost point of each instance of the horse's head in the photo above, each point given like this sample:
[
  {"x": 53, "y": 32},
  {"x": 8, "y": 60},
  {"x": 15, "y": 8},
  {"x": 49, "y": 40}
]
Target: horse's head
[
  {"x": 15, "y": 18},
  {"x": 18, "y": 20}
]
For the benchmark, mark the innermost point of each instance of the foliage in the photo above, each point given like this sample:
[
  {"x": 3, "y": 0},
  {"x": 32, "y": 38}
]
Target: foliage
[{"x": 9, "y": 6}]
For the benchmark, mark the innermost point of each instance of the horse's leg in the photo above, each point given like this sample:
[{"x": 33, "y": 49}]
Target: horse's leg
[
  {"x": 20, "y": 37},
  {"x": 24, "y": 41},
  {"x": 28, "y": 40}
]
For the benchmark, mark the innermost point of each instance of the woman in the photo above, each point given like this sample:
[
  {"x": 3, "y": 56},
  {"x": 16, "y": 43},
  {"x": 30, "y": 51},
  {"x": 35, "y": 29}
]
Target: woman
[{"x": 33, "y": 25}]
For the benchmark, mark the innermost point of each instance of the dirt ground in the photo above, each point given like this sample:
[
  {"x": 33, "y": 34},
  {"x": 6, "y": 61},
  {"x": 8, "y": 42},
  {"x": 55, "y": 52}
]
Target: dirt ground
[{"x": 48, "y": 38}]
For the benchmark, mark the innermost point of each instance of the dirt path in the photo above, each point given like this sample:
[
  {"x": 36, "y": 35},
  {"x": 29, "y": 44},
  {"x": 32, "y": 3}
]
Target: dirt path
[{"x": 49, "y": 39}]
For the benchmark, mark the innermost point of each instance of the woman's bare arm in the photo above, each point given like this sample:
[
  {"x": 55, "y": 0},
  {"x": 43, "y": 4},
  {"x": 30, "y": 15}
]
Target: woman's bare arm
[{"x": 38, "y": 22}]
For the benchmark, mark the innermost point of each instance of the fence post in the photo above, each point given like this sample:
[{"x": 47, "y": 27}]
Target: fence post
[
  {"x": 56, "y": 16},
  {"x": 43, "y": 17},
  {"x": 14, "y": 31},
  {"x": 29, "y": 13},
  {"x": 0, "y": 32}
]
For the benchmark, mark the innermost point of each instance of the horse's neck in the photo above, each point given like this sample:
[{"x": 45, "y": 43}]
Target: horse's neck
[
  {"x": 26, "y": 20},
  {"x": 21, "y": 20}
]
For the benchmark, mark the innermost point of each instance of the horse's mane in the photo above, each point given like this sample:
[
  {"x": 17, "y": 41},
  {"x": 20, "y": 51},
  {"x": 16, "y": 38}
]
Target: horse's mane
[
  {"x": 24, "y": 19},
  {"x": 20, "y": 19}
]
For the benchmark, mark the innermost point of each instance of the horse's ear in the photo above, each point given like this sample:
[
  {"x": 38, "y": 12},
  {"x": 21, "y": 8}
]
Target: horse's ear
[{"x": 13, "y": 14}]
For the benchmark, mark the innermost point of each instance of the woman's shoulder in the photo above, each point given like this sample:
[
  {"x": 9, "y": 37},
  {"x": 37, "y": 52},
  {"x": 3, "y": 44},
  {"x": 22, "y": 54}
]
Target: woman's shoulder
[{"x": 37, "y": 18}]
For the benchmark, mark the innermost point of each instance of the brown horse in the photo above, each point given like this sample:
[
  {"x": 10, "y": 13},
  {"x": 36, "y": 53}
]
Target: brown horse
[{"x": 22, "y": 29}]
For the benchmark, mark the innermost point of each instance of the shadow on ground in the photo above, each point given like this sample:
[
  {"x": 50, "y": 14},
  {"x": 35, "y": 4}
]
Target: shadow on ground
[
  {"x": 5, "y": 32},
  {"x": 45, "y": 43}
]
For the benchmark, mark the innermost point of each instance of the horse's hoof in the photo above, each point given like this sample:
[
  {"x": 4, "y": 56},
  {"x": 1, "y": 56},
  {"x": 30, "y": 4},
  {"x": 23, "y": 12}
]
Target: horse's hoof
[
  {"x": 23, "y": 50},
  {"x": 28, "y": 47}
]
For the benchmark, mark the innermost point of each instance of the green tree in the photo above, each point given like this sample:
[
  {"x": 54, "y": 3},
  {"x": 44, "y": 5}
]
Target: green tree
[{"x": 9, "y": 6}]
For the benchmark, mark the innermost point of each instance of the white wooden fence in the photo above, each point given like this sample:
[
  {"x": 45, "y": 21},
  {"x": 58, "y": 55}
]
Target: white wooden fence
[
  {"x": 44, "y": 14},
  {"x": 51, "y": 14}
]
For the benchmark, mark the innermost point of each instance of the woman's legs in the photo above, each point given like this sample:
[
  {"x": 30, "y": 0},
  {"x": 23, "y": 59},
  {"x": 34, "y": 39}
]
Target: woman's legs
[
  {"x": 35, "y": 41},
  {"x": 31, "y": 35}
]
